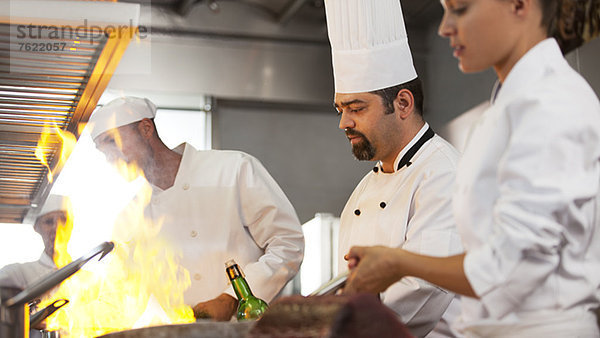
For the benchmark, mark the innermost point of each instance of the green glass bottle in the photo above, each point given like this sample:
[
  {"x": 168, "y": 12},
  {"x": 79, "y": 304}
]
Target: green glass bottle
[{"x": 249, "y": 306}]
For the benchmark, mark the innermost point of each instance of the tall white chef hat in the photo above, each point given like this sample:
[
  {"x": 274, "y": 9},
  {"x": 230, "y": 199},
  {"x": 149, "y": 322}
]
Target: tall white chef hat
[
  {"x": 369, "y": 45},
  {"x": 119, "y": 112},
  {"x": 55, "y": 203}
]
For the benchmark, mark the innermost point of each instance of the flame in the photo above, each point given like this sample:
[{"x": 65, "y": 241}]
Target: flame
[
  {"x": 63, "y": 234},
  {"x": 45, "y": 148},
  {"x": 140, "y": 283},
  {"x": 42, "y": 150},
  {"x": 137, "y": 35}
]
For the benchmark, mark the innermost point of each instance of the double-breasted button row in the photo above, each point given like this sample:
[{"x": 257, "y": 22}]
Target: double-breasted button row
[{"x": 382, "y": 205}]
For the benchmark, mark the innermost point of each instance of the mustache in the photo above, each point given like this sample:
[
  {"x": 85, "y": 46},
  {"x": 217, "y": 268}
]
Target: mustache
[{"x": 351, "y": 132}]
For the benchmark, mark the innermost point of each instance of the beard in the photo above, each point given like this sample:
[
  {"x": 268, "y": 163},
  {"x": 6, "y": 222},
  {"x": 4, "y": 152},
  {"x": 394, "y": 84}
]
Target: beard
[
  {"x": 362, "y": 150},
  {"x": 129, "y": 171}
]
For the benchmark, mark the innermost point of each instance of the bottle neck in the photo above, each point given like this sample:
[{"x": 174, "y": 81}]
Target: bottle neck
[{"x": 241, "y": 288}]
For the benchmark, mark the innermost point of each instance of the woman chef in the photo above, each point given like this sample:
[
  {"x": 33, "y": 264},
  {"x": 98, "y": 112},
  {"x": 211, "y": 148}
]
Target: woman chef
[{"x": 527, "y": 196}]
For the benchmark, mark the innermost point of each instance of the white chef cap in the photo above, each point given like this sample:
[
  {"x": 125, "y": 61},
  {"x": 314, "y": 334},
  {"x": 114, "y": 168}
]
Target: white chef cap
[
  {"x": 369, "y": 45},
  {"x": 120, "y": 112},
  {"x": 55, "y": 203}
]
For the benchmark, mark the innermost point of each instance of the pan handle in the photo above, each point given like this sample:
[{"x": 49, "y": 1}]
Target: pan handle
[
  {"x": 332, "y": 285},
  {"x": 39, "y": 316},
  {"x": 46, "y": 284}
]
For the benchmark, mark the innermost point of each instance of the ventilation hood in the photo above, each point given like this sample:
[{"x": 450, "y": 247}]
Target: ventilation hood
[{"x": 56, "y": 59}]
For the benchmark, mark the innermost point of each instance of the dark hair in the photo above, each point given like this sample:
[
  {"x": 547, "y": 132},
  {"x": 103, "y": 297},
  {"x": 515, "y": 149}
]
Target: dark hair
[
  {"x": 550, "y": 13},
  {"x": 389, "y": 95}
]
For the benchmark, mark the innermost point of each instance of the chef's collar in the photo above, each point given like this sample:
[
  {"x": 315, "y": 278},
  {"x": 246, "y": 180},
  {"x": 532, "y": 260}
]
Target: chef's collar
[
  {"x": 424, "y": 134},
  {"x": 181, "y": 149},
  {"x": 530, "y": 67},
  {"x": 495, "y": 91}
]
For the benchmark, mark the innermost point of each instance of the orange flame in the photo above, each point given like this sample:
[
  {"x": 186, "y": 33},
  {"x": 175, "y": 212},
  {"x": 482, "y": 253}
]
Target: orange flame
[
  {"x": 63, "y": 234},
  {"x": 45, "y": 148},
  {"x": 41, "y": 151},
  {"x": 140, "y": 283}
]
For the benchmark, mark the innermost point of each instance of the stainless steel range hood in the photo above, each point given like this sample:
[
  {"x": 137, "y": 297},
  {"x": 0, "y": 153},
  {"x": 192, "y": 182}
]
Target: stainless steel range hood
[{"x": 56, "y": 59}]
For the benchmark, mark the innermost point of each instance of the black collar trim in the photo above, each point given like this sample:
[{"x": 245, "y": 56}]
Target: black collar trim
[{"x": 405, "y": 160}]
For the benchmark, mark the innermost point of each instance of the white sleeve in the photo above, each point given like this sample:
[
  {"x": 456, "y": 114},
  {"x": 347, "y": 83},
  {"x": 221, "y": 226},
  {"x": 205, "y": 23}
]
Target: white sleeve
[
  {"x": 11, "y": 276},
  {"x": 431, "y": 231},
  {"x": 273, "y": 224},
  {"x": 545, "y": 182}
]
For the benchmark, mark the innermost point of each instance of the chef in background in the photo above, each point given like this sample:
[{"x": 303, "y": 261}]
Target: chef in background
[
  {"x": 214, "y": 205},
  {"x": 527, "y": 199},
  {"x": 51, "y": 216},
  {"x": 405, "y": 201}
]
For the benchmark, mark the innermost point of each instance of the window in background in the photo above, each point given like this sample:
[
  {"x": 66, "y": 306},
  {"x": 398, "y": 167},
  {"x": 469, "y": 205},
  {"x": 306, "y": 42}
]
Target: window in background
[
  {"x": 320, "y": 262},
  {"x": 97, "y": 192},
  {"x": 178, "y": 126}
]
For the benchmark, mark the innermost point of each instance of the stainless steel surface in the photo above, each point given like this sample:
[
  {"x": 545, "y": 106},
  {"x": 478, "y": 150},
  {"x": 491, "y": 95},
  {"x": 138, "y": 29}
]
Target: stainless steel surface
[
  {"x": 37, "y": 90},
  {"x": 14, "y": 322},
  {"x": 333, "y": 285},
  {"x": 50, "y": 334},
  {"x": 290, "y": 10},
  {"x": 14, "y": 308},
  {"x": 297, "y": 12},
  {"x": 44, "y": 313},
  {"x": 53, "y": 68},
  {"x": 243, "y": 52},
  {"x": 56, "y": 277},
  {"x": 200, "y": 329}
]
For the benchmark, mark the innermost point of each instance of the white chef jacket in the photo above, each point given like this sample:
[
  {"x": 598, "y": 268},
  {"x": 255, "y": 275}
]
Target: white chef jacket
[
  {"x": 224, "y": 205},
  {"x": 527, "y": 203},
  {"x": 409, "y": 208},
  {"x": 22, "y": 275}
]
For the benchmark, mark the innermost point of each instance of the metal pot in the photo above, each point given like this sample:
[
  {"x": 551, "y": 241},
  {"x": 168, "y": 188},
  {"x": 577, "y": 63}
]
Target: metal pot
[
  {"x": 50, "y": 334},
  {"x": 14, "y": 302},
  {"x": 14, "y": 321}
]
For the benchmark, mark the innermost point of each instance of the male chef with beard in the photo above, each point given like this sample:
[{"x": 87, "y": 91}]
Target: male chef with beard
[
  {"x": 405, "y": 201},
  {"x": 213, "y": 205}
]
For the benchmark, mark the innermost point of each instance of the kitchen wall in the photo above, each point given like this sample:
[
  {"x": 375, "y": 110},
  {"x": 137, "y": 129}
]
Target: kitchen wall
[
  {"x": 455, "y": 100},
  {"x": 586, "y": 60},
  {"x": 239, "y": 53},
  {"x": 273, "y": 89},
  {"x": 302, "y": 148},
  {"x": 449, "y": 91}
]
